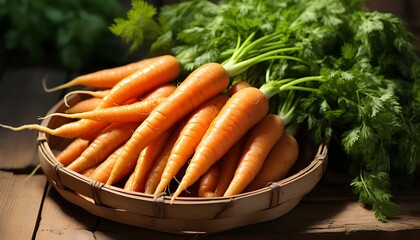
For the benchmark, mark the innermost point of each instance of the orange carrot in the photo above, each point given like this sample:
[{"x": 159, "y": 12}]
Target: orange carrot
[
  {"x": 96, "y": 94},
  {"x": 237, "y": 86},
  {"x": 72, "y": 151},
  {"x": 241, "y": 112},
  {"x": 259, "y": 142},
  {"x": 146, "y": 160},
  {"x": 155, "y": 173},
  {"x": 83, "y": 128},
  {"x": 161, "y": 70},
  {"x": 229, "y": 164},
  {"x": 281, "y": 158},
  {"x": 202, "y": 84},
  {"x": 209, "y": 180},
  {"x": 105, "y": 78},
  {"x": 191, "y": 134},
  {"x": 102, "y": 172},
  {"x": 84, "y": 105},
  {"x": 104, "y": 144},
  {"x": 134, "y": 112},
  {"x": 162, "y": 91}
]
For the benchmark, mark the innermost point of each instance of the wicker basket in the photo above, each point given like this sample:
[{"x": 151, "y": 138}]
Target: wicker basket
[{"x": 187, "y": 215}]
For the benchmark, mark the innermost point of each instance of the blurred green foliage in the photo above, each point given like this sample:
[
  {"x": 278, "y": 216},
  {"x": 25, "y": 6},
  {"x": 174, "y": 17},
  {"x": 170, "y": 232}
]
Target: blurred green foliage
[{"x": 74, "y": 32}]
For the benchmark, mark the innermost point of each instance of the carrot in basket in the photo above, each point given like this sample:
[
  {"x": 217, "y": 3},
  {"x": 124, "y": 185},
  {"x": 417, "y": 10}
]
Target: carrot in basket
[
  {"x": 134, "y": 112},
  {"x": 281, "y": 158},
  {"x": 104, "y": 144},
  {"x": 154, "y": 175},
  {"x": 209, "y": 180},
  {"x": 202, "y": 84},
  {"x": 83, "y": 128},
  {"x": 102, "y": 172},
  {"x": 93, "y": 93},
  {"x": 84, "y": 105},
  {"x": 191, "y": 134},
  {"x": 146, "y": 160},
  {"x": 241, "y": 112},
  {"x": 105, "y": 78},
  {"x": 258, "y": 144},
  {"x": 161, "y": 70},
  {"x": 229, "y": 164},
  {"x": 72, "y": 151}
]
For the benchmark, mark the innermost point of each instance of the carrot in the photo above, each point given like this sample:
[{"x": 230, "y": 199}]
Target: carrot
[
  {"x": 155, "y": 173},
  {"x": 241, "y": 112},
  {"x": 146, "y": 160},
  {"x": 88, "y": 172},
  {"x": 162, "y": 91},
  {"x": 83, "y": 128},
  {"x": 72, "y": 151},
  {"x": 161, "y": 70},
  {"x": 237, "y": 86},
  {"x": 202, "y": 84},
  {"x": 84, "y": 105},
  {"x": 104, "y": 144},
  {"x": 191, "y": 134},
  {"x": 105, "y": 78},
  {"x": 209, "y": 180},
  {"x": 259, "y": 142},
  {"x": 135, "y": 112},
  {"x": 281, "y": 158},
  {"x": 229, "y": 164},
  {"x": 102, "y": 172}
]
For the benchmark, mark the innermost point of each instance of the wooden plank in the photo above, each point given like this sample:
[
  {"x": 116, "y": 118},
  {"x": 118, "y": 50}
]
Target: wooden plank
[
  {"x": 20, "y": 200},
  {"x": 63, "y": 220},
  {"x": 22, "y": 100}
]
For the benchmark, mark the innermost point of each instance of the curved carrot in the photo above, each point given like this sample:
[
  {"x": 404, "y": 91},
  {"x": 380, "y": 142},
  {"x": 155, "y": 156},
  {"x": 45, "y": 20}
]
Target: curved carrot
[
  {"x": 237, "y": 86},
  {"x": 241, "y": 112},
  {"x": 259, "y": 142},
  {"x": 146, "y": 160},
  {"x": 229, "y": 164},
  {"x": 161, "y": 70},
  {"x": 281, "y": 158},
  {"x": 96, "y": 94},
  {"x": 72, "y": 151},
  {"x": 104, "y": 144},
  {"x": 191, "y": 134},
  {"x": 202, "y": 84},
  {"x": 105, "y": 78},
  {"x": 208, "y": 182},
  {"x": 134, "y": 112},
  {"x": 84, "y": 105}
]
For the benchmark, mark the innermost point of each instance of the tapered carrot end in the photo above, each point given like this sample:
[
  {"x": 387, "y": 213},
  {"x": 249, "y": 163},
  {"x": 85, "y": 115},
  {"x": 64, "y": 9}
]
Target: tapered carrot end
[{"x": 178, "y": 192}]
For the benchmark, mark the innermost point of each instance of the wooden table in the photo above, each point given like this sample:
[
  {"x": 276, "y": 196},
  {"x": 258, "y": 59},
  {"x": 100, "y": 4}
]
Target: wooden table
[{"x": 31, "y": 209}]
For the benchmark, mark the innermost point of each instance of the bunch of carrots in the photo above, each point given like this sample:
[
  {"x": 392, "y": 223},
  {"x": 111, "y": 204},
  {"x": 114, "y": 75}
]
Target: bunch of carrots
[{"x": 204, "y": 137}]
